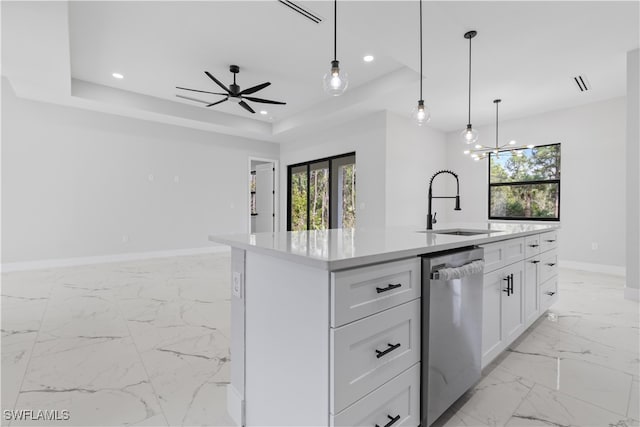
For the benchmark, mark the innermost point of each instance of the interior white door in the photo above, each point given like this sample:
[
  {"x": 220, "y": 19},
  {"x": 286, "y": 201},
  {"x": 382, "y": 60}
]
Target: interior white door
[{"x": 265, "y": 198}]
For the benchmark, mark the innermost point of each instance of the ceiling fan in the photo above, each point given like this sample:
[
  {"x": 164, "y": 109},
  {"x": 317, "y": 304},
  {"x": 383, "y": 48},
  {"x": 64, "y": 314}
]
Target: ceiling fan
[{"x": 232, "y": 93}]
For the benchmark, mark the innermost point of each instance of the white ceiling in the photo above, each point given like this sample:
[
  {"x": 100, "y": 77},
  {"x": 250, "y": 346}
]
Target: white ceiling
[{"x": 526, "y": 53}]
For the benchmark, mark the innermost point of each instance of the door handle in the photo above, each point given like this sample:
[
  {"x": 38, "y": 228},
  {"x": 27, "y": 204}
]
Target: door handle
[
  {"x": 550, "y": 293},
  {"x": 534, "y": 245},
  {"x": 388, "y": 288},
  {"x": 535, "y": 261},
  {"x": 392, "y": 422},
  {"x": 392, "y": 347},
  {"x": 511, "y": 282},
  {"x": 508, "y": 290}
]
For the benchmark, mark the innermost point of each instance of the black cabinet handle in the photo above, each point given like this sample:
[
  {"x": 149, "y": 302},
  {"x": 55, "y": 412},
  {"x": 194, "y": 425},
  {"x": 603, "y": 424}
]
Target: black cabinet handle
[
  {"x": 550, "y": 293},
  {"x": 550, "y": 241},
  {"x": 535, "y": 261},
  {"x": 392, "y": 347},
  {"x": 388, "y": 288},
  {"x": 551, "y": 264},
  {"x": 508, "y": 290},
  {"x": 534, "y": 246},
  {"x": 511, "y": 282},
  {"x": 392, "y": 422}
]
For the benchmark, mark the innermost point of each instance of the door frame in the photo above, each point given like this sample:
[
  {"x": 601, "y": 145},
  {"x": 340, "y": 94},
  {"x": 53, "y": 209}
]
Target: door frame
[{"x": 276, "y": 189}]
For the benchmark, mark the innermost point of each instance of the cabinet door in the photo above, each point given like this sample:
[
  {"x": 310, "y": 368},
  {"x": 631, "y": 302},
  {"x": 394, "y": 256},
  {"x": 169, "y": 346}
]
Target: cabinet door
[
  {"x": 531, "y": 303},
  {"x": 494, "y": 284},
  {"x": 512, "y": 304}
]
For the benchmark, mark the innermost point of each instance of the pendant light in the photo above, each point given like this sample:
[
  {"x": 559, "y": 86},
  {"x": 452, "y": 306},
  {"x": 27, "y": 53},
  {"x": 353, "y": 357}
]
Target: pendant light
[
  {"x": 335, "y": 82},
  {"x": 421, "y": 113},
  {"x": 469, "y": 135},
  {"x": 480, "y": 152}
]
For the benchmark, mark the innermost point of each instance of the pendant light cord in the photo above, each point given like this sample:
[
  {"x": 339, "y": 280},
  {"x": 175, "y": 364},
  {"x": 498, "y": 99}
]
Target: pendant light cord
[
  {"x": 497, "y": 102},
  {"x": 335, "y": 29},
  {"x": 421, "y": 50},
  {"x": 469, "y": 117}
]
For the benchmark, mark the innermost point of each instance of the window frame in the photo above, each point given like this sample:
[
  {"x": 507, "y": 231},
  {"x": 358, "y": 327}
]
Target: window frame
[
  {"x": 517, "y": 183},
  {"x": 308, "y": 165}
]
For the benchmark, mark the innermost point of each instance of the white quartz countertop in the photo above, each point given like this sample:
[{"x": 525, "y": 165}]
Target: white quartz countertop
[{"x": 338, "y": 249}]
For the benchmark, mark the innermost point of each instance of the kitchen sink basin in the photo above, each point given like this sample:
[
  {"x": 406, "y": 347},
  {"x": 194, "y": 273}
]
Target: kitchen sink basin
[{"x": 459, "y": 232}]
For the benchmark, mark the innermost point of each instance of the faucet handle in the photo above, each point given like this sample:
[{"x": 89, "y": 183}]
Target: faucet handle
[{"x": 434, "y": 220}]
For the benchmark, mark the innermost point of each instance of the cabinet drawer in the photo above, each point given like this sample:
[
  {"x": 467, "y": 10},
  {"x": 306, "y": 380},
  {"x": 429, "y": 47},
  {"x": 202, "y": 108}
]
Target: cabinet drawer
[
  {"x": 548, "y": 293},
  {"x": 548, "y": 266},
  {"x": 360, "y": 292},
  {"x": 397, "y": 399},
  {"x": 369, "y": 352},
  {"x": 531, "y": 246},
  {"x": 501, "y": 254},
  {"x": 548, "y": 240}
]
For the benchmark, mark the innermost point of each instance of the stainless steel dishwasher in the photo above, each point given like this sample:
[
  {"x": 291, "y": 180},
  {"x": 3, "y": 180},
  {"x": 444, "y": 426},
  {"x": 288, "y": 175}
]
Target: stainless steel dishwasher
[{"x": 451, "y": 328}]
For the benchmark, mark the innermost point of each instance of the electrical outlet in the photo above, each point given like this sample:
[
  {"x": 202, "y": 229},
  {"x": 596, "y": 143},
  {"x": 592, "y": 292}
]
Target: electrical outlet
[
  {"x": 236, "y": 285},
  {"x": 594, "y": 246}
]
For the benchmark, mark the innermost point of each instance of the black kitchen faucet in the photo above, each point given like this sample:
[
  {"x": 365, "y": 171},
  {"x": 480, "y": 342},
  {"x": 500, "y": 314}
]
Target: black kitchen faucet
[{"x": 431, "y": 219}]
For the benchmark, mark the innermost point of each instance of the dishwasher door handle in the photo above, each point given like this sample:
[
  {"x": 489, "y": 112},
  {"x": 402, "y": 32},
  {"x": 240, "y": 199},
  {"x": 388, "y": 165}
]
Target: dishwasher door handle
[{"x": 472, "y": 267}]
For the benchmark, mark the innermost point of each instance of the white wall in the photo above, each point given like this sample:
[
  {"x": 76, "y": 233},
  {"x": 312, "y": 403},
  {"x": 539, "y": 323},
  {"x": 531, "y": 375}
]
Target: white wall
[
  {"x": 413, "y": 154},
  {"x": 633, "y": 176},
  {"x": 366, "y": 137},
  {"x": 74, "y": 182},
  {"x": 593, "y": 176}
]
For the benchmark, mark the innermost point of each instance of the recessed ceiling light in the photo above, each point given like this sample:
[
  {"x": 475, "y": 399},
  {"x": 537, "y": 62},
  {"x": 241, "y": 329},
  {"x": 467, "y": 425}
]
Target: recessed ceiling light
[
  {"x": 264, "y": 112},
  {"x": 368, "y": 58},
  {"x": 117, "y": 76}
]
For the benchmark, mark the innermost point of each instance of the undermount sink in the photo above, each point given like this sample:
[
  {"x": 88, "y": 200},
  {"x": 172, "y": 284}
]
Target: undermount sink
[{"x": 459, "y": 232}]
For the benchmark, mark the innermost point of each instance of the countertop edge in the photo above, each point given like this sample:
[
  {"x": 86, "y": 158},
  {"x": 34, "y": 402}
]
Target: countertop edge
[{"x": 341, "y": 264}]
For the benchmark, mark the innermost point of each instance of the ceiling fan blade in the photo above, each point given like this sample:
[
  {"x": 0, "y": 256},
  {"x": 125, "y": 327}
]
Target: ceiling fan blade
[
  {"x": 254, "y": 88},
  {"x": 218, "y": 82},
  {"x": 192, "y": 99},
  {"x": 264, "y": 101},
  {"x": 246, "y": 107},
  {"x": 219, "y": 102},
  {"x": 201, "y": 91}
]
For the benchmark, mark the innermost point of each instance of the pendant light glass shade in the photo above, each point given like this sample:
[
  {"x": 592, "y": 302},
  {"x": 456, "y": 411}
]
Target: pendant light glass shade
[
  {"x": 335, "y": 82},
  {"x": 469, "y": 135},
  {"x": 421, "y": 113}
]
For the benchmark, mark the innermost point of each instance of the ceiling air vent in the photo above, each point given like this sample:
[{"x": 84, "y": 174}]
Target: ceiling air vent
[
  {"x": 582, "y": 82},
  {"x": 302, "y": 11}
]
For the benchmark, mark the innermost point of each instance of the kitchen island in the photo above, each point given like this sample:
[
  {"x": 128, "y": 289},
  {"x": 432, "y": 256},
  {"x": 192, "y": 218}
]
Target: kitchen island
[{"x": 326, "y": 324}]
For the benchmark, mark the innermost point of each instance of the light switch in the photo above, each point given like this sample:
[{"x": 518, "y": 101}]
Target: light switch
[{"x": 236, "y": 286}]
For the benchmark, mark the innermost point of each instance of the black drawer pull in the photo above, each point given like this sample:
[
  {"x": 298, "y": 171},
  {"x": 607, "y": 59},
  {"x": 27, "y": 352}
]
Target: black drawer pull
[
  {"x": 551, "y": 264},
  {"x": 550, "y": 293},
  {"x": 535, "y": 261},
  {"x": 534, "y": 246},
  {"x": 392, "y": 347},
  {"x": 508, "y": 290},
  {"x": 392, "y": 422},
  {"x": 550, "y": 241},
  {"x": 388, "y": 288}
]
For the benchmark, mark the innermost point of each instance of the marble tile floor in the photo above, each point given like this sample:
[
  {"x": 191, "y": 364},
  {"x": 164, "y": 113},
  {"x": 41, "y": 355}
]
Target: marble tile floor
[{"x": 147, "y": 343}]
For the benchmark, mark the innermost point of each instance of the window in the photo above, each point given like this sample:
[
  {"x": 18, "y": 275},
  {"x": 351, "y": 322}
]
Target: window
[
  {"x": 525, "y": 186},
  {"x": 321, "y": 194}
]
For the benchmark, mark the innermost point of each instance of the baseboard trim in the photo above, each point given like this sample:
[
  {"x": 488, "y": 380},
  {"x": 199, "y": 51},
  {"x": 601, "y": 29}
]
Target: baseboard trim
[
  {"x": 632, "y": 293},
  {"x": 594, "y": 268},
  {"x": 133, "y": 256}
]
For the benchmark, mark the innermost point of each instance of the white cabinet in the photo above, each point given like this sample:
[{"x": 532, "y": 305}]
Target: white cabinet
[
  {"x": 503, "y": 314},
  {"x": 520, "y": 283},
  {"x": 397, "y": 401},
  {"x": 531, "y": 299},
  {"x": 369, "y": 352}
]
